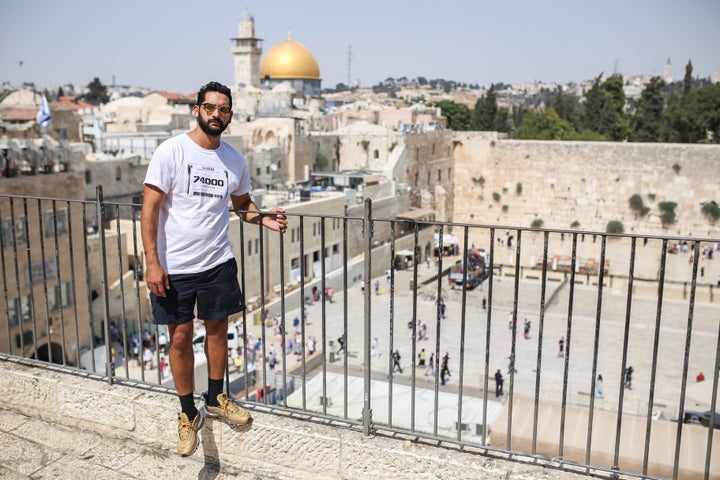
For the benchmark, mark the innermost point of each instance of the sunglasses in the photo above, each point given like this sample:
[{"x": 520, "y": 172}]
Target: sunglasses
[{"x": 210, "y": 108}]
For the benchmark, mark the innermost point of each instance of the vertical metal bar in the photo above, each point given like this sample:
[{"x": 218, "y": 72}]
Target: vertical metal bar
[
  {"x": 73, "y": 282},
  {"x": 3, "y": 242},
  {"x": 367, "y": 411},
  {"x": 596, "y": 348},
  {"x": 88, "y": 287},
  {"x": 41, "y": 238},
  {"x": 59, "y": 287},
  {"x": 282, "y": 316},
  {"x": 391, "y": 292},
  {"x": 323, "y": 311},
  {"x": 263, "y": 340},
  {"x": 626, "y": 338},
  {"x": 438, "y": 330},
  {"x": 245, "y": 353},
  {"x": 568, "y": 336},
  {"x": 31, "y": 281},
  {"x": 713, "y": 405},
  {"x": 109, "y": 367},
  {"x": 463, "y": 311},
  {"x": 303, "y": 276},
  {"x": 688, "y": 338},
  {"x": 653, "y": 368},
  {"x": 137, "y": 269},
  {"x": 416, "y": 257},
  {"x": 345, "y": 285},
  {"x": 123, "y": 323},
  {"x": 488, "y": 323},
  {"x": 21, "y": 316},
  {"x": 541, "y": 329},
  {"x": 513, "y": 344}
]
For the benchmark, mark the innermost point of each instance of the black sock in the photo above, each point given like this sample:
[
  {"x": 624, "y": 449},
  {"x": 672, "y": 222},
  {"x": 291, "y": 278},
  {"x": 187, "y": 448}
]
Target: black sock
[
  {"x": 215, "y": 388},
  {"x": 187, "y": 404}
]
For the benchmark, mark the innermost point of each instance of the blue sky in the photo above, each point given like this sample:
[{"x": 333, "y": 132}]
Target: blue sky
[{"x": 180, "y": 45}]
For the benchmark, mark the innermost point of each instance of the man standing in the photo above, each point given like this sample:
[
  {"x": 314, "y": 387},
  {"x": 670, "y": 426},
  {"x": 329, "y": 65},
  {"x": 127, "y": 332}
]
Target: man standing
[
  {"x": 499, "y": 383},
  {"x": 190, "y": 264},
  {"x": 396, "y": 362},
  {"x": 444, "y": 368}
]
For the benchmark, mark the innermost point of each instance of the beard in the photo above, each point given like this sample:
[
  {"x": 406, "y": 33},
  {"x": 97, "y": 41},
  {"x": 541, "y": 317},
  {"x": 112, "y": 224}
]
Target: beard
[{"x": 211, "y": 127}]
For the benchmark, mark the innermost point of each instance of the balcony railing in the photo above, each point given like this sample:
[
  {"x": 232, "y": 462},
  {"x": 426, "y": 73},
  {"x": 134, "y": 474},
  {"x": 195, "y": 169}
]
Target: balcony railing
[{"x": 601, "y": 340}]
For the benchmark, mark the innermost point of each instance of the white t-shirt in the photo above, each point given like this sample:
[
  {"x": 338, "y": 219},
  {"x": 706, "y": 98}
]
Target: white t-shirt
[{"x": 193, "y": 224}]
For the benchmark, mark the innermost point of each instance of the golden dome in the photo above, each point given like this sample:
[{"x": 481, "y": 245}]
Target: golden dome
[{"x": 289, "y": 59}]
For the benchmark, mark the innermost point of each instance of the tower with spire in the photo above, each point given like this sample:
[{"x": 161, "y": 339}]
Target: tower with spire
[
  {"x": 668, "y": 72},
  {"x": 246, "y": 53}
]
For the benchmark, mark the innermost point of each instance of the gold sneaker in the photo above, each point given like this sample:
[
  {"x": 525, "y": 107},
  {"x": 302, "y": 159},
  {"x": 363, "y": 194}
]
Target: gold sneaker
[
  {"x": 188, "y": 433},
  {"x": 228, "y": 411}
]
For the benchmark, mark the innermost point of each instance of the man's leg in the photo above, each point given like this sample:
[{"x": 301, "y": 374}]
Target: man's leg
[
  {"x": 216, "y": 347},
  {"x": 182, "y": 364},
  {"x": 217, "y": 403}
]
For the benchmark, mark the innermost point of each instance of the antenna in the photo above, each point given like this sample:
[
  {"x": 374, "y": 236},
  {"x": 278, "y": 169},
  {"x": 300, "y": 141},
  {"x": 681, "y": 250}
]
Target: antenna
[{"x": 349, "y": 65}]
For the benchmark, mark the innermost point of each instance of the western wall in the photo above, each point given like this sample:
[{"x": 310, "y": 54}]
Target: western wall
[{"x": 583, "y": 185}]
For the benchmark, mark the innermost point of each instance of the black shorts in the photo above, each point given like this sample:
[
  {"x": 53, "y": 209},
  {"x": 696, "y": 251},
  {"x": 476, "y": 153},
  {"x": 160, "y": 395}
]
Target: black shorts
[{"x": 216, "y": 292}]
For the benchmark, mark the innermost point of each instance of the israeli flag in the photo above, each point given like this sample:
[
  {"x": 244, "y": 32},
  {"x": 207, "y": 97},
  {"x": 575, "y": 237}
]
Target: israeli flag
[{"x": 43, "y": 117}]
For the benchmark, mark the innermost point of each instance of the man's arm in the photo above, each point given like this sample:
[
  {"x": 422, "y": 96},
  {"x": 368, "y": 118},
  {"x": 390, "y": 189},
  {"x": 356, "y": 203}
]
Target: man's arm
[
  {"x": 156, "y": 277},
  {"x": 275, "y": 220}
]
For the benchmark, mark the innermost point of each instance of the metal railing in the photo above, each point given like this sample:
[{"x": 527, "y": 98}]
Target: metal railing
[{"x": 603, "y": 380}]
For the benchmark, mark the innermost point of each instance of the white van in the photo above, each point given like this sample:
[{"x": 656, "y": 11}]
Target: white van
[{"x": 235, "y": 339}]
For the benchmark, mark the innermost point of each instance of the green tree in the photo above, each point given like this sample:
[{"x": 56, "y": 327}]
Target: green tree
[
  {"x": 605, "y": 109},
  {"x": 544, "y": 125},
  {"x": 458, "y": 115},
  {"x": 648, "y": 122},
  {"x": 60, "y": 93},
  {"x": 485, "y": 112},
  {"x": 502, "y": 121},
  {"x": 703, "y": 110},
  {"x": 687, "y": 80},
  {"x": 565, "y": 105},
  {"x": 97, "y": 92}
]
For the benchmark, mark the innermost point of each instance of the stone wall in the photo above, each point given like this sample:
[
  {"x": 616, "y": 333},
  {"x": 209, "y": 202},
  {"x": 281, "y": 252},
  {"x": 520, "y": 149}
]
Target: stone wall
[{"x": 585, "y": 182}]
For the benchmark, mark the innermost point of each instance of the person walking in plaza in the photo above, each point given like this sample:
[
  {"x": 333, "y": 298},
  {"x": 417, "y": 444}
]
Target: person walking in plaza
[
  {"x": 421, "y": 358},
  {"x": 396, "y": 362},
  {"x": 190, "y": 264},
  {"x": 499, "y": 383},
  {"x": 444, "y": 369},
  {"x": 526, "y": 329},
  {"x": 561, "y": 346},
  {"x": 599, "y": 386},
  {"x": 430, "y": 370},
  {"x": 628, "y": 377}
]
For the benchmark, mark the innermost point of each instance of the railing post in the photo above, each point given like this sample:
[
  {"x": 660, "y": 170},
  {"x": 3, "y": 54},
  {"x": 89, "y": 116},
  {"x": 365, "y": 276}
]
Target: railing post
[
  {"x": 368, "y": 231},
  {"x": 100, "y": 212}
]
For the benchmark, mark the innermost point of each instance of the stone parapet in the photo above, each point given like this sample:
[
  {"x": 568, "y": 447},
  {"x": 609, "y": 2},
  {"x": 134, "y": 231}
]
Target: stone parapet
[{"x": 141, "y": 418}]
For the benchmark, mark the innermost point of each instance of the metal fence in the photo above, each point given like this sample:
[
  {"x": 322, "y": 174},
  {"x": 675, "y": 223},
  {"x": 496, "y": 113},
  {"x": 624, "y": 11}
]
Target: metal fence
[{"x": 590, "y": 351}]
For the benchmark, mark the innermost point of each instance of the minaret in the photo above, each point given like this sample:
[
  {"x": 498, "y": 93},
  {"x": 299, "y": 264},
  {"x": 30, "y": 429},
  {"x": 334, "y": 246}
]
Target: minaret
[
  {"x": 246, "y": 53},
  {"x": 668, "y": 72}
]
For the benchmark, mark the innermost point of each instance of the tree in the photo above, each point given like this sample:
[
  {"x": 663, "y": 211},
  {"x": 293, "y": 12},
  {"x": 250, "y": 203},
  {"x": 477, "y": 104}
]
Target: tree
[
  {"x": 604, "y": 109},
  {"x": 60, "y": 93},
  {"x": 458, "y": 115},
  {"x": 422, "y": 81},
  {"x": 544, "y": 125},
  {"x": 565, "y": 105},
  {"x": 485, "y": 112},
  {"x": 97, "y": 92},
  {"x": 647, "y": 122},
  {"x": 502, "y": 120},
  {"x": 687, "y": 80}
]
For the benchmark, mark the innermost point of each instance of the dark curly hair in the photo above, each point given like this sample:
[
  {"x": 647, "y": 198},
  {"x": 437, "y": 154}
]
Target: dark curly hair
[{"x": 213, "y": 87}]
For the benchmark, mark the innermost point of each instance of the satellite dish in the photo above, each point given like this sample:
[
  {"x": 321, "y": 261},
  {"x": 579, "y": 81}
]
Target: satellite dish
[{"x": 273, "y": 167}]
